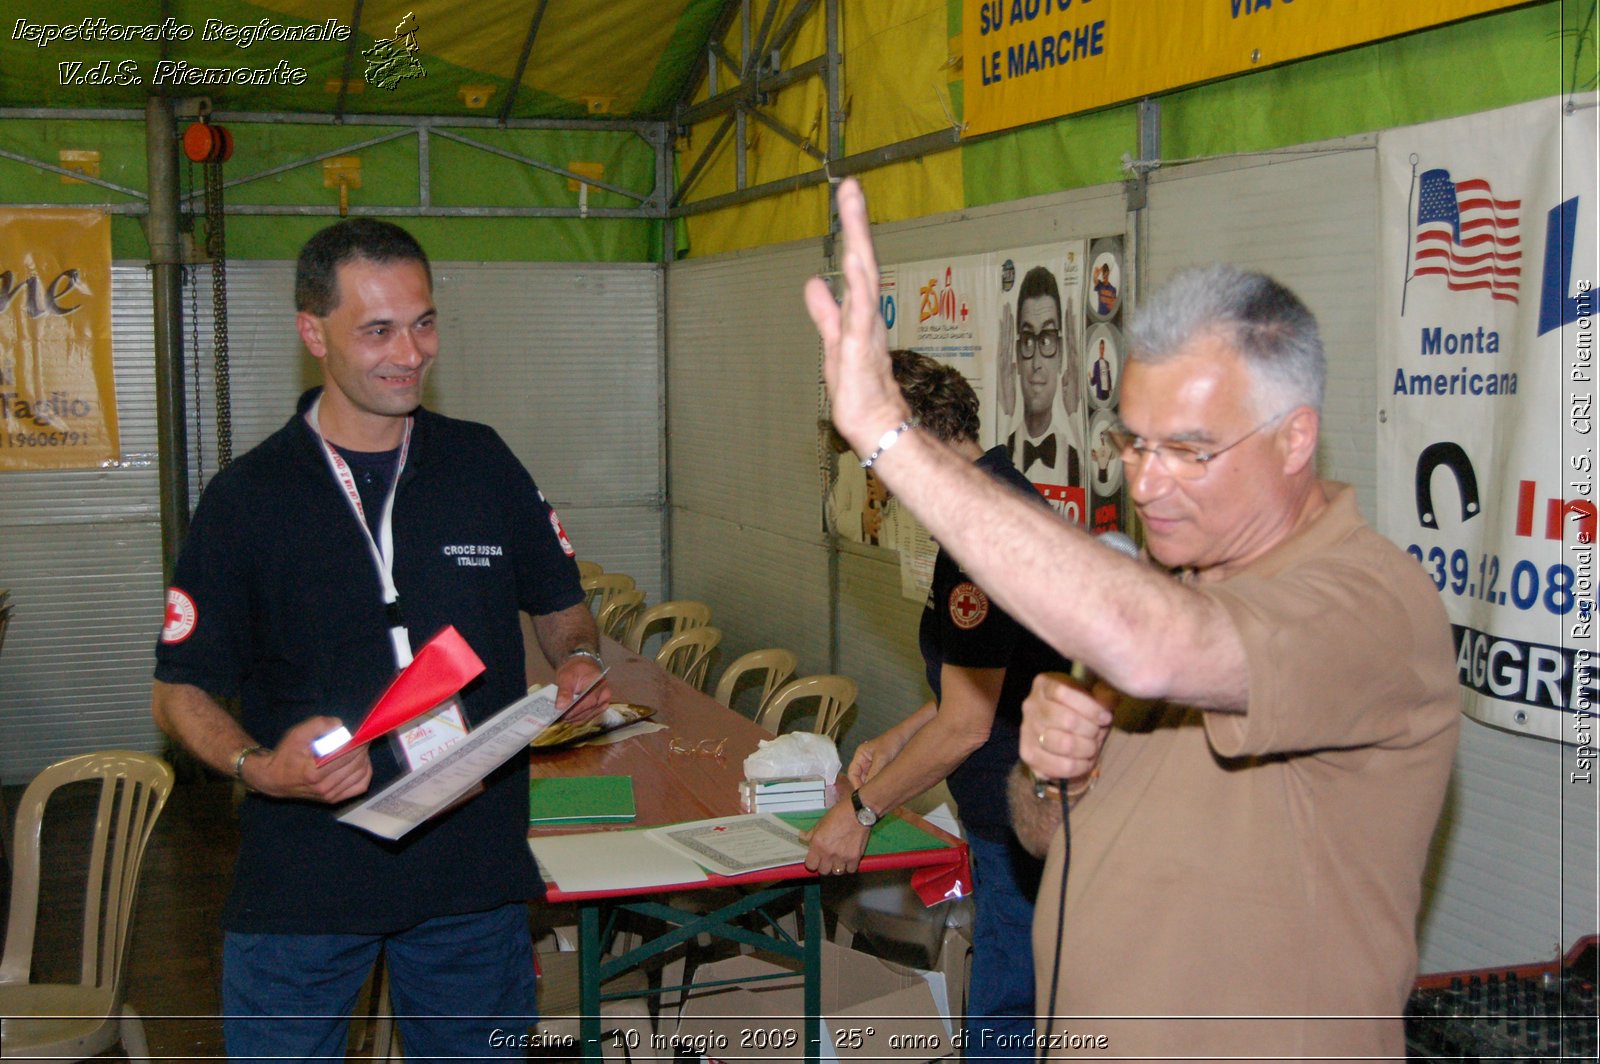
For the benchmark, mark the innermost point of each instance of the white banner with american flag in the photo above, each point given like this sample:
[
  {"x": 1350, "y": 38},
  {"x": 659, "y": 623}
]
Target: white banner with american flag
[{"x": 1486, "y": 455}]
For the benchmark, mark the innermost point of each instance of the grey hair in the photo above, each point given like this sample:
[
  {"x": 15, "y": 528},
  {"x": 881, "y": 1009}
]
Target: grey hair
[{"x": 1265, "y": 323}]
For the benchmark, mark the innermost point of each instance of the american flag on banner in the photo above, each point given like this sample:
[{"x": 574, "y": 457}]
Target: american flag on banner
[{"x": 1466, "y": 236}]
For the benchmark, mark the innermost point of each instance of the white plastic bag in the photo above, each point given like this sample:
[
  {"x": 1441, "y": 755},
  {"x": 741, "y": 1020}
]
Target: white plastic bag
[{"x": 794, "y": 754}]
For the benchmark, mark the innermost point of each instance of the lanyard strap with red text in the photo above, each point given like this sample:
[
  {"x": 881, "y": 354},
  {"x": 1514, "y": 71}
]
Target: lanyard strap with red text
[{"x": 382, "y": 548}]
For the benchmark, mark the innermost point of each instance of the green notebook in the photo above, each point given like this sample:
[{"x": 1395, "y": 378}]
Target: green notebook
[{"x": 557, "y": 800}]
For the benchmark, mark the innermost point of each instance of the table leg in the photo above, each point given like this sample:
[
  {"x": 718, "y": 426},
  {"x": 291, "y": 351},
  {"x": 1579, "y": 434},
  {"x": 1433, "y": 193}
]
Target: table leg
[
  {"x": 812, "y": 942},
  {"x": 589, "y": 979}
]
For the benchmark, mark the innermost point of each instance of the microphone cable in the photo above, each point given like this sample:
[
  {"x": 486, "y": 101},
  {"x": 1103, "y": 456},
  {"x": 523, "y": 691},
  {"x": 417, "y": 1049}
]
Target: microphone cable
[
  {"x": 1061, "y": 922},
  {"x": 1124, "y": 545}
]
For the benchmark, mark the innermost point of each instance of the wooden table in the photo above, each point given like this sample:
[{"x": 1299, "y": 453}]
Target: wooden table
[
  {"x": 668, "y": 788},
  {"x": 671, "y": 788}
]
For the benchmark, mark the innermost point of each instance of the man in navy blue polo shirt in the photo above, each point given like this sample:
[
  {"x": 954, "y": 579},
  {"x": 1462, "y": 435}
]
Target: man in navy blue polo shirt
[{"x": 315, "y": 564}]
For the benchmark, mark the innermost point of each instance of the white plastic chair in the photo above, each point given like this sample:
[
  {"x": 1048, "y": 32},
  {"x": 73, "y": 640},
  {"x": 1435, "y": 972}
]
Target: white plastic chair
[
  {"x": 600, "y": 590},
  {"x": 834, "y": 695},
  {"x": 75, "y": 1021},
  {"x": 687, "y": 655},
  {"x": 679, "y": 614},
  {"x": 775, "y": 664},
  {"x": 617, "y": 615}
]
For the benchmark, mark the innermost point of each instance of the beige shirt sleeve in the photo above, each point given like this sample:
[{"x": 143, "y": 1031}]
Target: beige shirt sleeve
[{"x": 1340, "y": 648}]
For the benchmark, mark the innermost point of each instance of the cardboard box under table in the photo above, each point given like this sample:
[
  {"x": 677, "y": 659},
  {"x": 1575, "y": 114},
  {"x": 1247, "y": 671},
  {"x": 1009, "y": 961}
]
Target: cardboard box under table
[
  {"x": 673, "y": 788},
  {"x": 748, "y": 1008}
]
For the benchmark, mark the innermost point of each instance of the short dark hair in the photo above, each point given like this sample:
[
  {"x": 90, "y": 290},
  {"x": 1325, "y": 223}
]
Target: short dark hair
[
  {"x": 316, "y": 285},
  {"x": 1039, "y": 281},
  {"x": 938, "y": 395}
]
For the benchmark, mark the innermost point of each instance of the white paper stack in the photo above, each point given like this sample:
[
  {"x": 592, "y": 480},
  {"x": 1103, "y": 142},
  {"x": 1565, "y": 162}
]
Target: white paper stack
[{"x": 787, "y": 794}]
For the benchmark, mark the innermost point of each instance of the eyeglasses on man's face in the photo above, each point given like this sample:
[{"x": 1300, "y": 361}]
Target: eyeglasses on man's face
[
  {"x": 1186, "y": 461},
  {"x": 1046, "y": 344}
]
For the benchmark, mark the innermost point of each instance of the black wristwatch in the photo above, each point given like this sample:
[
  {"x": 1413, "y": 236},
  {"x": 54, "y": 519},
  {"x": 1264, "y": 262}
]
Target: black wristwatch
[{"x": 864, "y": 814}]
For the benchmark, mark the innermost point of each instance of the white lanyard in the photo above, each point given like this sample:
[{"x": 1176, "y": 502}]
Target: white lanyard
[{"x": 382, "y": 548}]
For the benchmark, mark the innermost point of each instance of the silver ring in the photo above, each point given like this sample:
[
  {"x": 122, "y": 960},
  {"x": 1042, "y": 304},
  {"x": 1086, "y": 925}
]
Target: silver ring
[{"x": 1041, "y": 740}]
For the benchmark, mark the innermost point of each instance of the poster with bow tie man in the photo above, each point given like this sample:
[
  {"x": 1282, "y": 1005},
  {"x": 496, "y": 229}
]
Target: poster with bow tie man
[{"x": 1039, "y": 360}]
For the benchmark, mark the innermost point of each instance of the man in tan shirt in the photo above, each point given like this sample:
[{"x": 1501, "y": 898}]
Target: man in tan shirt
[{"x": 1254, "y": 818}]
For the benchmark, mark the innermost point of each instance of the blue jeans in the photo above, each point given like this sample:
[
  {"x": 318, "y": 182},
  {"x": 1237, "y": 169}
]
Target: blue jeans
[
  {"x": 461, "y": 986},
  {"x": 1000, "y": 1000}
]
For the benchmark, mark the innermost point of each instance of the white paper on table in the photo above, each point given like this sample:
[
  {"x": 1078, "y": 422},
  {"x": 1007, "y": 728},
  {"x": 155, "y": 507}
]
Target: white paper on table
[
  {"x": 611, "y": 860},
  {"x": 627, "y": 731},
  {"x": 422, "y": 793},
  {"x": 734, "y": 845}
]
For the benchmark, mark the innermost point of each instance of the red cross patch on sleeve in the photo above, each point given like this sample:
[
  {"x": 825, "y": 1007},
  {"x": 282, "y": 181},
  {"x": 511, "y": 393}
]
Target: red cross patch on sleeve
[
  {"x": 561, "y": 534},
  {"x": 968, "y": 605},
  {"x": 178, "y": 623}
]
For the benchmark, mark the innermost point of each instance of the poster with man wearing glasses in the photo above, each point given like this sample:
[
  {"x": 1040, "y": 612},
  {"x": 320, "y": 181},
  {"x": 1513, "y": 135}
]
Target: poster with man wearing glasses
[
  {"x": 1040, "y": 379},
  {"x": 1037, "y": 333}
]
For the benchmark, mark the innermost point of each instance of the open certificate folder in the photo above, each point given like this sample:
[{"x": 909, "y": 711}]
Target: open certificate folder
[
  {"x": 734, "y": 845},
  {"x": 422, "y": 793}
]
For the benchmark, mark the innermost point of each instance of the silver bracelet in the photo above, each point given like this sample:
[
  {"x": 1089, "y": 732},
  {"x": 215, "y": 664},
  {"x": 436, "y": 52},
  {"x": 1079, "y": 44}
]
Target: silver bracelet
[
  {"x": 238, "y": 761},
  {"x": 889, "y": 439},
  {"x": 584, "y": 652}
]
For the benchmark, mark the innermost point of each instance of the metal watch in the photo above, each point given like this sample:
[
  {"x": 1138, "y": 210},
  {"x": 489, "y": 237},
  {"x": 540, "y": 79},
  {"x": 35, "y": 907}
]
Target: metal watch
[
  {"x": 865, "y": 816},
  {"x": 239, "y": 759},
  {"x": 585, "y": 652}
]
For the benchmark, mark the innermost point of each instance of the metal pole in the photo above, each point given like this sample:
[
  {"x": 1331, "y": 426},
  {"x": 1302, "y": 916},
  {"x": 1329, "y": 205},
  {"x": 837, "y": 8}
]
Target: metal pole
[
  {"x": 830, "y": 13},
  {"x": 166, "y": 271}
]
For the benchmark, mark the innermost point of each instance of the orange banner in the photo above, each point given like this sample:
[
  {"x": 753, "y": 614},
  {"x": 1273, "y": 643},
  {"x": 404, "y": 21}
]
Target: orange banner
[
  {"x": 1029, "y": 60},
  {"x": 58, "y": 401}
]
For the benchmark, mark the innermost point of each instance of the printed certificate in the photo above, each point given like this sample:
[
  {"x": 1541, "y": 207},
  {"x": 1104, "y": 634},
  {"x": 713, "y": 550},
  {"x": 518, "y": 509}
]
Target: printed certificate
[
  {"x": 734, "y": 845},
  {"x": 454, "y": 771}
]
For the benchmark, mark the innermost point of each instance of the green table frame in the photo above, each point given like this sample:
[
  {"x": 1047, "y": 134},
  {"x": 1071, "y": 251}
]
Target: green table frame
[
  {"x": 897, "y": 843},
  {"x": 596, "y": 921}
]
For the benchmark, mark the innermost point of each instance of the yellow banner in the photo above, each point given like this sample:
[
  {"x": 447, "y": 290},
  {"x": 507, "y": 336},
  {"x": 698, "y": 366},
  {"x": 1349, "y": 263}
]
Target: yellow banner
[
  {"x": 1029, "y": 60},
  {"x": 58, "y": 402}
]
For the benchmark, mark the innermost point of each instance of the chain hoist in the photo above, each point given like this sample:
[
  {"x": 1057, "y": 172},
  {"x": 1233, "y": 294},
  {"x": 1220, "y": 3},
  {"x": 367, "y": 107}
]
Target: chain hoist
[
  {"x": 197, "y": 438},
  {"x": 211, "y": 146}
]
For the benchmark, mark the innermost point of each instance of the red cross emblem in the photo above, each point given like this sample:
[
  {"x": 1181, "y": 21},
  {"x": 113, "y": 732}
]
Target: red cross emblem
[
  {"x": 178, "y": 622},
  {"x": 968, "y": 605},
  {"x": 561, "y": 534}
]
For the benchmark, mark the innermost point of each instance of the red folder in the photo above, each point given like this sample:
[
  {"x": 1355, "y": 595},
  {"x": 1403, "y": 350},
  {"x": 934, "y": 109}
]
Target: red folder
[{"x": 442, "y": 667}]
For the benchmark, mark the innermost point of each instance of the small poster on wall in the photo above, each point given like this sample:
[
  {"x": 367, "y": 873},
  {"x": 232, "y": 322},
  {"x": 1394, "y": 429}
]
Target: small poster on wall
[
  {"x": 1104, "y": 300},
  {"x": 1037, "y": 333},
  {"x": 58, "y": 400},
  {"x": 1039, "y": 370}
]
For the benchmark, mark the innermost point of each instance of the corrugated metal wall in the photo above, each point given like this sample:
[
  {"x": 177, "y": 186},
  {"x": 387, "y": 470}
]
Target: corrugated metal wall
[
  {"x": 81, "y": 552},
  {"x": 742, "y": 388},
  {"x": 1513, "y": 872},
  {"x": 1260, "y": 212},
  {"x": 565, "y": 361}
]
